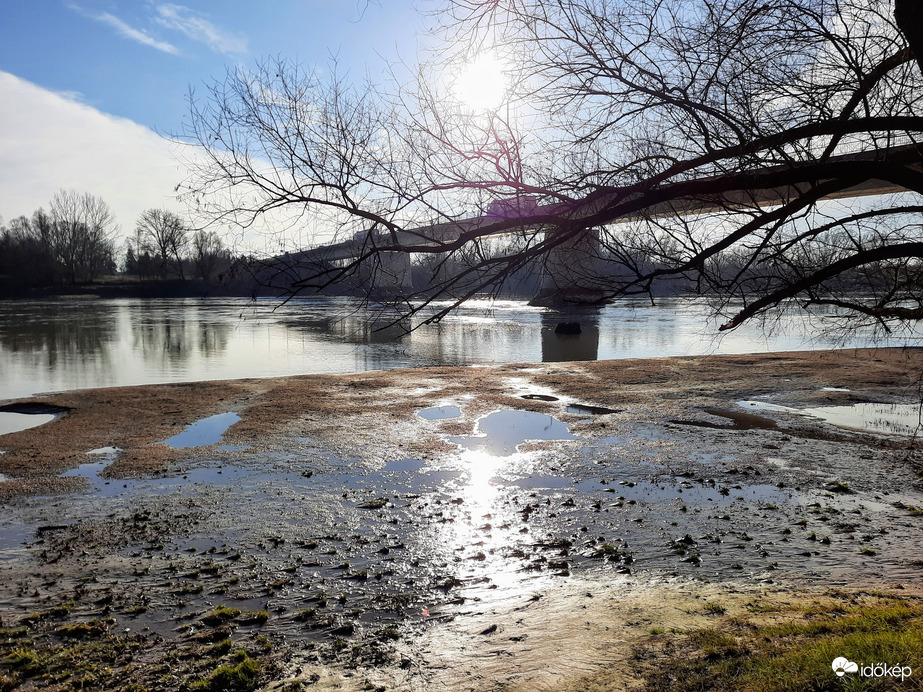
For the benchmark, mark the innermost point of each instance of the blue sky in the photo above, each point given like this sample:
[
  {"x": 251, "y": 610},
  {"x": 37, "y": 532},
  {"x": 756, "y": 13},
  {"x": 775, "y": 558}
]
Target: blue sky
[{"x": 86, "y": 84}]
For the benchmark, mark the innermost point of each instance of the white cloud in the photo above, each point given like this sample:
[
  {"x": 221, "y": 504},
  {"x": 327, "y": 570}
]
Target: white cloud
[
  {"x": 193, "y": 25},
  {"x": 49, "y": 141},
  {"x": 135, "y": 34}
]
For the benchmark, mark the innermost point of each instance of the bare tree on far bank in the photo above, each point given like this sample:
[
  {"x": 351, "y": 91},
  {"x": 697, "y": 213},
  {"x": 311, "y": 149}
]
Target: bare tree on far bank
[
  {"x": 720, "y": 146},
  {"x": 80, "y": 234},
  {"x": 165, "y": 235},
  {"x": 72, "y": 243},
  {"x": 209, "y": 256}
]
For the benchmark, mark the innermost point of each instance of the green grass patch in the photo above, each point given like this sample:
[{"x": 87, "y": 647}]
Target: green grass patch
[
  {"x": 79, "y": 630},
  {"x": 797, "y": 654},
  {"x": 26, "y": 661},
  {"x": 220, "y": 649},
  {"x": 220, "y": 615},
  {"x": 231, "y": 678},
  {"x": 253, "y": 617}
]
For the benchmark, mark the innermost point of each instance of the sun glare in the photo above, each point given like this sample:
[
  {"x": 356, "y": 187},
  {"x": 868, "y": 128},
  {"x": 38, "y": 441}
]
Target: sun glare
[{"x": 481, "y": 84}]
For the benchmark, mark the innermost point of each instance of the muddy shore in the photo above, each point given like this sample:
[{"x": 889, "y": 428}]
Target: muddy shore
[{"x": 334, "y": 537}]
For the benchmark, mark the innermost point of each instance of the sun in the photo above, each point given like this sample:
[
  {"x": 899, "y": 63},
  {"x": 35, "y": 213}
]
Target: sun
[{"x": 481, "y": 84}]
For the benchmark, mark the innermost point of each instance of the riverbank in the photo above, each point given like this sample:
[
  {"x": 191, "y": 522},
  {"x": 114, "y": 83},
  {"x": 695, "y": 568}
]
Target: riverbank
[{"x": 348, "y": 538}]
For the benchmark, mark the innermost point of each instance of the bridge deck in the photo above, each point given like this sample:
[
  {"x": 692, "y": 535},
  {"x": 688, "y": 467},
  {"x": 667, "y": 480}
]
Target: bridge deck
[{"x": 908, "y": 155}]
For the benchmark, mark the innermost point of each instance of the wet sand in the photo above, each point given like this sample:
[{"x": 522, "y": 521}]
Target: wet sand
[{"x": 381, "y": 551}]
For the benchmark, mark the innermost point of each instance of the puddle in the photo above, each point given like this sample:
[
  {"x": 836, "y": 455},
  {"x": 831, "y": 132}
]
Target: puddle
[
  {"x": 440, "y": 412},
  {"x": 18, "y": 417},
  {"x": 550, "y": 482},
  {"x": 890, "y": 419},
  {"x": 539, "y": 397},
  {"x": 404, "y": 465},
  {"x": 207, "y": 431},
  {"x": 107, "y": 451},
  {"x": 501, "y": 432},
  {"x": 16, "y": 422},
  {"x": 834, "y": 389},
  {"x": 89, "y": 470},
  {"x": 593, "y": 410}
]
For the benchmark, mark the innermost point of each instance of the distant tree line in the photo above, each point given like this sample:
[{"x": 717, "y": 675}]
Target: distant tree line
[
  {"x": 71, "y": 243},
  {"x": 165, "y": 247}
]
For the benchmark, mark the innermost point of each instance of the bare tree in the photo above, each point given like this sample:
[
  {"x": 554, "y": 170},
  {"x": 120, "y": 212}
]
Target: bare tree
[
  {"x": 166, "y": 234},
  {"x": 686, "y": 144},
  {"x": 208, "y": 254},
  {"x": 79, "y": 234}
]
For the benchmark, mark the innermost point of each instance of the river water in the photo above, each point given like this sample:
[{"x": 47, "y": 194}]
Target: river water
[{"x": 57, "y": 345}]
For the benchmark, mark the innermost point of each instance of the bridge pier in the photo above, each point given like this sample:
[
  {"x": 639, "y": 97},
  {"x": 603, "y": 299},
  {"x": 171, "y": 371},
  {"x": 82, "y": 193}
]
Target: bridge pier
[
  {"x": 572, "y": 273},
  {"x": 570, "y": 335}
]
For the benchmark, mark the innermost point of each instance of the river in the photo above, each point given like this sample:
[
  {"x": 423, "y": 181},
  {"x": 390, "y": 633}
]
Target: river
[{"x": 58, "y": 345}]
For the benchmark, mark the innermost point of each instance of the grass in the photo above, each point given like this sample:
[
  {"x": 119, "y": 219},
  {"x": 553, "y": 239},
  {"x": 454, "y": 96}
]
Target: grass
[
  {"x": 26, "y": 661},
  {"x": 252, "y": 617},
  {"x": 220, "y": 615},
  {"x": 231, "y": 678},
  {"x": 221, "y": 648},
  {"x": 796, "y": 653},
  {"x": 84, "y": 663}
]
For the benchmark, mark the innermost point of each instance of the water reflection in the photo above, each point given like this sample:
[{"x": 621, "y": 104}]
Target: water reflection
[
  {"x": 440, "y": 412},
  {"x": 15, "y": 422},
  {"x": 892, "y": 419},
  {"x": 169, "y": 337},
  {"x": 561, "y": 344},
  {"x": 59, "y": 345},
  {"x": 55, "y": 335},
  {"x": 207, "y": 431},
  {"x": 501, "y": 432}
]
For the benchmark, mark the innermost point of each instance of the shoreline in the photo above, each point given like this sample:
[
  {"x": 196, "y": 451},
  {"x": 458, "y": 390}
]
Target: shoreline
[
  {"x": 338, "y": 515},
  {"x": 135, "y": 418}
]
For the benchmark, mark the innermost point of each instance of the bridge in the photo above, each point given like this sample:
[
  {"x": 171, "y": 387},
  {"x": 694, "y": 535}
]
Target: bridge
[{"x": 571, "y": 266}]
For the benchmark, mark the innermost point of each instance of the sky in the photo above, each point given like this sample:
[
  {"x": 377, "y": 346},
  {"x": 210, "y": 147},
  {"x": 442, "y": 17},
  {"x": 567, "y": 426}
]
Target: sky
[{"x": 92, "y": 90}]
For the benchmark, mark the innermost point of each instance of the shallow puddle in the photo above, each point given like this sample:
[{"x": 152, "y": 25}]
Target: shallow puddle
[
  {"x": 404, "y": 465},
  {"x": 440, "y": 412},
  {"x": 501, "y": 432},
  {"x": 891, "y": 419},
  {"x": 15, "y": 422},
  {"x": 207, "y": 431},
  {"x": 17, "y": 417}
]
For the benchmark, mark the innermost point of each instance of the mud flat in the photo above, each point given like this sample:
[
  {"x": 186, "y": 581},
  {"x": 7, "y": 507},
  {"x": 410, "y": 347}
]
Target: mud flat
[{"x": 558, "y": 526}]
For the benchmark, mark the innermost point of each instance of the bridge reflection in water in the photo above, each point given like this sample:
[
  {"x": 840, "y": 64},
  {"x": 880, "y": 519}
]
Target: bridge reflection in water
[{"x": 562, "y": 342}]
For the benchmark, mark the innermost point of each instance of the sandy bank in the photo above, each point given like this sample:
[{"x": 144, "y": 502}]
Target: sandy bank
[{"x": 351, "y": 409}]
